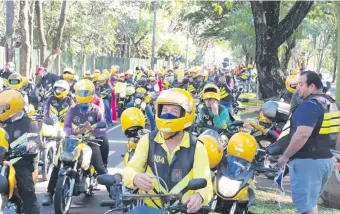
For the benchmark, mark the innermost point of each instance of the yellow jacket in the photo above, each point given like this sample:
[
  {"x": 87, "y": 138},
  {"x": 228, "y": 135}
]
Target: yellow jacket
[{"x": 200, "y": 167}]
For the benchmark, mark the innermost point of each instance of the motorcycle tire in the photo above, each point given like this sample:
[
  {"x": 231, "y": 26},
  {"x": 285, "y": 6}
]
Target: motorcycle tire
[
  {"x": 61, "y": 205},
  {"x": 47, "y": 166}
]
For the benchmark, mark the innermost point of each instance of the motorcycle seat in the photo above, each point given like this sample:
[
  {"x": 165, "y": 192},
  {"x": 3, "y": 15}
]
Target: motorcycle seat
[
  {"x": 274, "y": 149},
  {"x": 106, "y": 179}
]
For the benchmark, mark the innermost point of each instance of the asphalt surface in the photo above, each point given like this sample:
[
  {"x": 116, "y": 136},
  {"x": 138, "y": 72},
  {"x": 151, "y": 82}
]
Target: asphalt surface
[{"x": 83, "y": 204}]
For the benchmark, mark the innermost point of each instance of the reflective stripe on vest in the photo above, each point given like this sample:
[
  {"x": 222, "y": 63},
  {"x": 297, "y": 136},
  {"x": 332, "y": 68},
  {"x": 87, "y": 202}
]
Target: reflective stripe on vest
[{"x": 223, "y": 92}]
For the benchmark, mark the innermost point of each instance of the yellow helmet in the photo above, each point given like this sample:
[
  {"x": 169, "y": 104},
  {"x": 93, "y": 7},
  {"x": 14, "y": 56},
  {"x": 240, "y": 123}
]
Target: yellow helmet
[
  {"x": 97, "y": 71},
  {"x": 61, "y": 84},
  {"x": 68, "y": 74},
  {"x": 213, "y": 144},
  {"x": 11, "y": 103},
  {"x": 114, "y": 69},
  {"x": 102, "y": 79},
  {"x": 87, "y": 75},
  {"x": 84, "y": 91},
  {"x": 130, "y": 90},
  {"x": 141, "y": 90},
  {"x": 242, "y": 145},
  {"x": 291, "y": 83},
  {"x": 179, "y": 97},
  {"x": 15, "y": 81},
  {"x": 4, "y": 139},
  {"x": 132, "y": 120},
  {"x": 95, "y": 77},
  {"x": 250, "y": 66},
  {"x": 25, "y": 82},
  {"x": 210, "y": 90}
]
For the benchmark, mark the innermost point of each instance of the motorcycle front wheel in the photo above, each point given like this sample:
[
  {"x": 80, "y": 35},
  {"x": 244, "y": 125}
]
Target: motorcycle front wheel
[{"x": 62, "y": 201}]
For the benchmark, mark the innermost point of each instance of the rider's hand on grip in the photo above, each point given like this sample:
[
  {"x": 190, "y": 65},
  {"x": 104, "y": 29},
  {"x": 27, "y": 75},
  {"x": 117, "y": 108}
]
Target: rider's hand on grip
[
  {"x": 143, "y": 181},
  {"x": 194, "y": 203}
]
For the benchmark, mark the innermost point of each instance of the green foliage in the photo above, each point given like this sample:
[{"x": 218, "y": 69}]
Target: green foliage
[{"x": 169, "y": 48}]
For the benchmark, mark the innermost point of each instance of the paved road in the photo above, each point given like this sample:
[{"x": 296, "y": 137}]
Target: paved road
[{"x": 83, "y": 204}]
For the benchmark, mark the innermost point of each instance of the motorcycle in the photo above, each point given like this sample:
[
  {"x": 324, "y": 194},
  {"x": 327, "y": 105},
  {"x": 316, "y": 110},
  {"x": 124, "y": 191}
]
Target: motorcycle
[
  {"x": 273, "y": 117},
  {"x": 27, "y": 147},
  {"x": 124, "y": 98},
  {"x": 234, "y": 185},
  {"x": 76, "y": 175},
  {"x": 133, "y": 203},
  {"x": 51, "y": 134}
]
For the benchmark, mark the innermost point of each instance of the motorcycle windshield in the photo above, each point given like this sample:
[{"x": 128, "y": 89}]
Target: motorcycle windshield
[
  {"x": 235, "y": 168},
  {"x": 70, "y": 144}
]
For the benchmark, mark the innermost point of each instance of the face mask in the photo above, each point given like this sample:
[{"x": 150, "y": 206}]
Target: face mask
[
  {"x": 84, "y": 107},
  {"x": 168, "y": 116},
  {"x": 58, "y": 91}
]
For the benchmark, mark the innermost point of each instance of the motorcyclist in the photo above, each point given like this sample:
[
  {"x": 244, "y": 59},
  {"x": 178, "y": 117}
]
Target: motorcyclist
[
  {"x": 213, "y": 113},
  {"x": 141, "y": 93},
  {"x": 226, "y": 97},
  {"x": 15, "y": 82},
  {"x": 88, "y": 75},
  {"x": 59, "y": 103},
  {"x": 17, "y": 123},
  {"x": 291, "y": 83},
  {"x": 29, "y": 88},
  {"x": 6, "y": 72},
  {"x": 86, "y": 114},
  {"x": 105, "y": 94},
  {"x": 69, "y": 77},
  {"x": 45, "y": 84},
  {"x": 171, "y": 143}
]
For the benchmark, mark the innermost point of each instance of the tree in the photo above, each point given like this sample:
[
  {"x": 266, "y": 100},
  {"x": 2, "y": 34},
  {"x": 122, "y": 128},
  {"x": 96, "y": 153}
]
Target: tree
[
  {"x": 270, "y": 34},
  {"x": 9, "y": 30},
  {"x": 40, "y": 25},
  {"x": 169, "y": 48},
  {"x": 58, "y": 39},
  {"x": 25, "y": 52}
]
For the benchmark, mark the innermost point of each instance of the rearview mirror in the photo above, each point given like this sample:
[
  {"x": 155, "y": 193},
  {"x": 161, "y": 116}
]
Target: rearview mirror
[
  {"x": 101, "y": 125},
  {"x": 197, "y": 183}
]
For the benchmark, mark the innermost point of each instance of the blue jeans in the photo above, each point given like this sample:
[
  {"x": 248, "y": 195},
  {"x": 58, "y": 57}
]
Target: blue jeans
[
  {"x": 228, "y": 105},
  {"x": 148, "y": 112},
  {"x": 107, "y": 103}
]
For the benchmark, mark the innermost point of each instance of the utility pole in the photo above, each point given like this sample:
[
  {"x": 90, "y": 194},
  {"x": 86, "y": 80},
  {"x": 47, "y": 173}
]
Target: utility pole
[
  {"x": 9, "y": 30},
  {"x": 154, "y": 34}
]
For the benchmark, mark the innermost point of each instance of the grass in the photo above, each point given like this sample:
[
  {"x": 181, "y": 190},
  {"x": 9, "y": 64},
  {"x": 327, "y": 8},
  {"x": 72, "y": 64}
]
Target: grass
[
  {"x": 266, "y": 203},
  {"x": 251, "y": 106}
]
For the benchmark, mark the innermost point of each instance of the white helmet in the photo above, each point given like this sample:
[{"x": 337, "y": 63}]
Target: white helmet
[{"x": 62, "y": 84}]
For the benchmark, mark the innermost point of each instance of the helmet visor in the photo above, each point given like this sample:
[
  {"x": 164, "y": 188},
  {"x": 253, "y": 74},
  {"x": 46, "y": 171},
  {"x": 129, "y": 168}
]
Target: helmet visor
[
  {"x": 14, "y": 82},
  {"x": 84, "y": 93},
  {"x": 4, "y": 108}
]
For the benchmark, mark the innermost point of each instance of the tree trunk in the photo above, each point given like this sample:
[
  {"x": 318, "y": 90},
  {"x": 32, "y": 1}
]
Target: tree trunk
[
  {"x": 270, "y": 34},
  {"x": 334, "y": 67},
  {"x": 58, "y": 39},
  {"x": 31, "y": 30},
  {"x": 42, "y": 37},
  {"x": 25, "y": 52},
  {"x": 291, "y": 42},
  {"x": 9, "y": 30}
]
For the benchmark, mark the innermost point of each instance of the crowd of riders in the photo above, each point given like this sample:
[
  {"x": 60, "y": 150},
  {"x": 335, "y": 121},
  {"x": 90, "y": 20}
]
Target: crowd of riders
[{"x": 168, "y": 102}]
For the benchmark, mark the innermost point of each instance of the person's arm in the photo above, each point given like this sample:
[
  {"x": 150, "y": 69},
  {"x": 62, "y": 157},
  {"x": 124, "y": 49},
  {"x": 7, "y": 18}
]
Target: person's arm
[
  {"x": 221, "y": 120},
  {"x": 137, "y": 163},
  {"x": 100, "y": 118},
  {"x": 47, "y": 108},
  {"x": 307, "y": 116},
  {"x": 201, "y": 169},
  {"x": 68, "y": 123}
]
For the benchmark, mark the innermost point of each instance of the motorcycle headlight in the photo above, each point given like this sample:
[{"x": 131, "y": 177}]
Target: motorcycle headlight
[
  {"x": 143, "y": 105},
  {"x": 122, "y": 95},
  {"x": 67, "y": 156},
  {"x": 228, "y": 187},
  {"x": 138, "y": 101}
]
